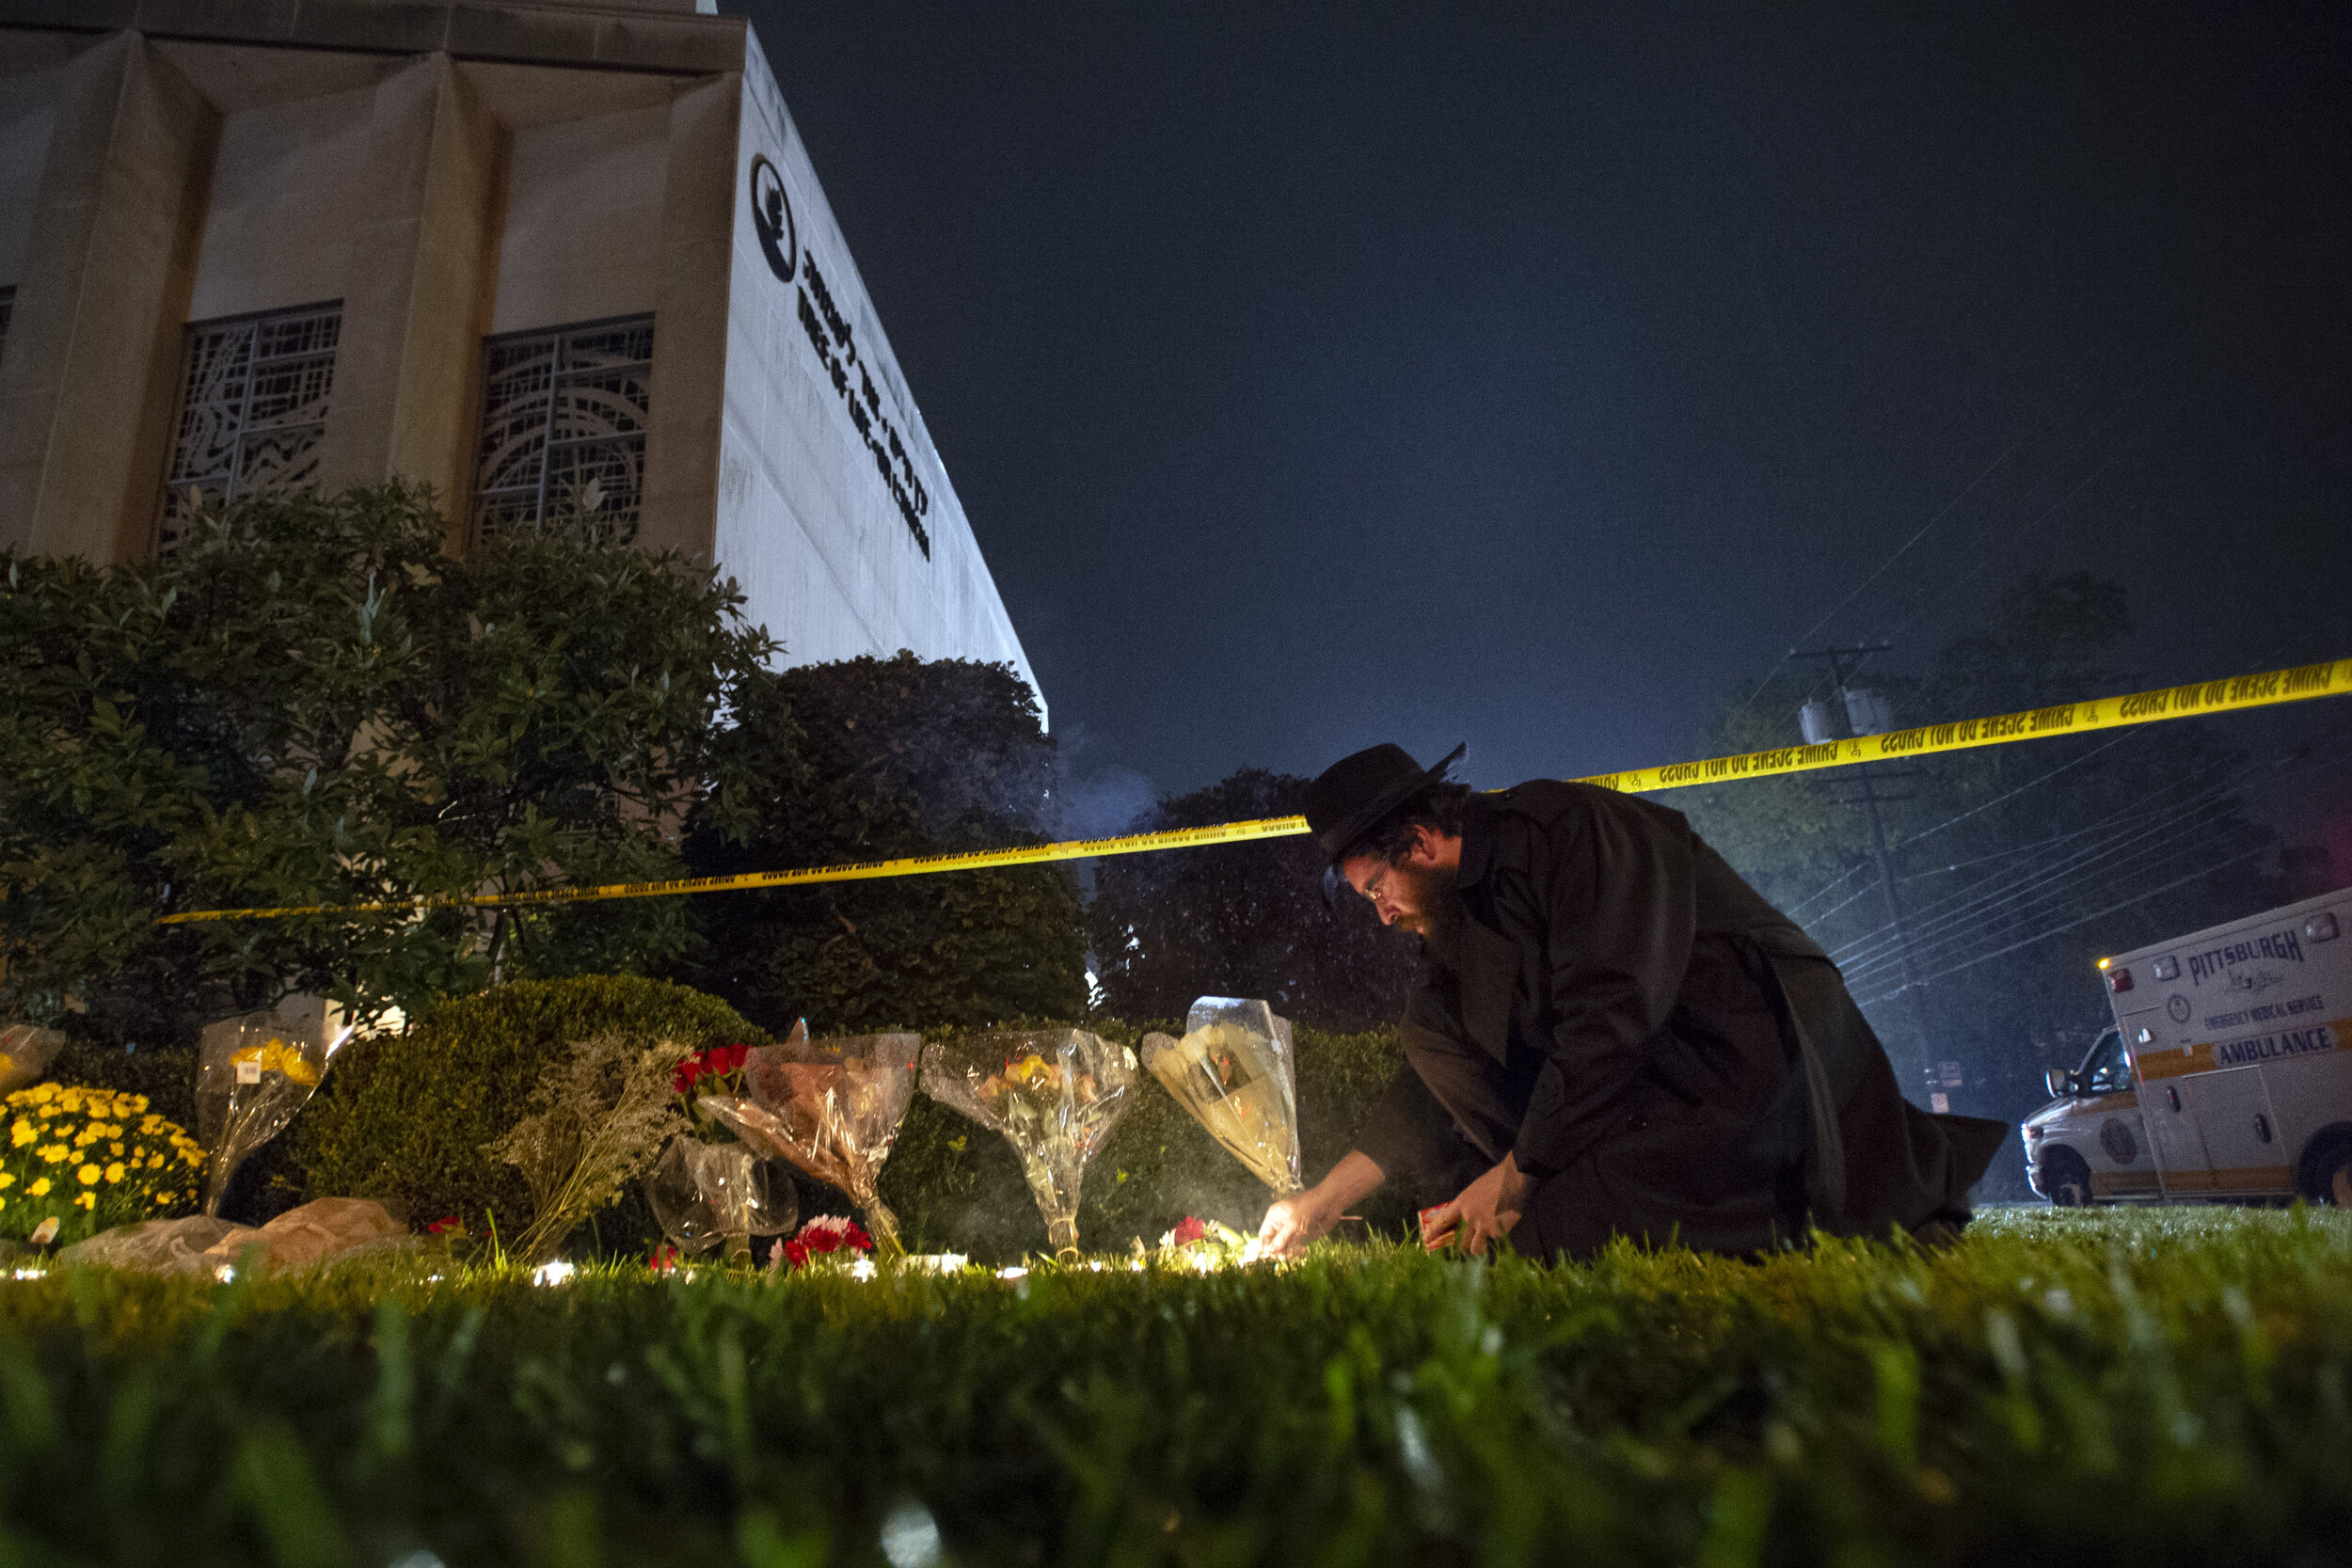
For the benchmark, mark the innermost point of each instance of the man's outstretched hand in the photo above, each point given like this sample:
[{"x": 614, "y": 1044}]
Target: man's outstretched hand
[
  {"x": 1292, "y": 1222},
  {"x": 1483, "y": 1211}
]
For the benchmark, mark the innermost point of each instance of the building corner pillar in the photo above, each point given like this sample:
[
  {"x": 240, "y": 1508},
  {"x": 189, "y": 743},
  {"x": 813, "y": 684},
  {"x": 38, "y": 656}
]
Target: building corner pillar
[
  {"x": 94, "y": 342},
  {"x": 689, "y": 338},
  {"x": 418, "y": 302}
]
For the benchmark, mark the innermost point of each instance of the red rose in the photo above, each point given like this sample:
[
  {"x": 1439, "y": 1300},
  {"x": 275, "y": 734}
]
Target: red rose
[{"x": 1189, "y": 1230}]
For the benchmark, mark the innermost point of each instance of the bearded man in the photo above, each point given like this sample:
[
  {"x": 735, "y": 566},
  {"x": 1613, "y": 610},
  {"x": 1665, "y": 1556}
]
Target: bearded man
[{"x": 1617, "y": 1033}]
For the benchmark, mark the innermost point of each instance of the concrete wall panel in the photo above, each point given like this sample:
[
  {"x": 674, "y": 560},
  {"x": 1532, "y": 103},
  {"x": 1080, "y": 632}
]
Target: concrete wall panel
[
  {"x": 284, "y": 206},
  {"x": 27, "y": 112},
  {"x": 582, "y": 196},
  {"x": 806, "y": 521}
]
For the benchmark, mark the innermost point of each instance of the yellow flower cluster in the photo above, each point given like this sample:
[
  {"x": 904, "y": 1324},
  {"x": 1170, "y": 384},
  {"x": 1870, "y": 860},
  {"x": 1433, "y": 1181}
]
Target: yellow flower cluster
[
  {"x": 279, "y": 1056},
  {"x": 91, "y": 1157}
]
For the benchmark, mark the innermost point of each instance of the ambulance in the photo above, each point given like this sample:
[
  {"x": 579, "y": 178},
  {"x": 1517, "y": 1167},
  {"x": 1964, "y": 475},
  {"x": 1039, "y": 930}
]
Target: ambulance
[{"x": 2227, "y": 1077}]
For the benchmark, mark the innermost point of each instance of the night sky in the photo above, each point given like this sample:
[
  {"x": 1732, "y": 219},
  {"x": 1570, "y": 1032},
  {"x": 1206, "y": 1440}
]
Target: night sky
[{"x": 1535, "y": 379}]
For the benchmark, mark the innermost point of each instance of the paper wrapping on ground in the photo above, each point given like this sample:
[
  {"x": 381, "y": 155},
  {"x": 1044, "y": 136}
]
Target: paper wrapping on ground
[
  {"x": 1233, "y": 1070},
  {"x": 1054, "y": 1094}
]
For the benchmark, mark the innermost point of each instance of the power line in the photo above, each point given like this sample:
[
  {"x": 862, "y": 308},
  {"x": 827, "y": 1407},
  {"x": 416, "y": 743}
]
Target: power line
[
  {"x": 1975, "y": 895},
  {"x": 2302, "y": 751},
  {"x": 1925, "y": 530},
  {"x": 1986, "y": 897},
  {"x": 2016, "y": 910},
  {"x": 2081, "y": 920}
]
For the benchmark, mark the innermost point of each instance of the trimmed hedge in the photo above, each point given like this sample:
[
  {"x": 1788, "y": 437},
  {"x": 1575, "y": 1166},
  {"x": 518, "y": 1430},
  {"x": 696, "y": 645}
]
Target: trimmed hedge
[
  {"x": 402, "y": 1118},
  {"x": 956, "y": 1187}
]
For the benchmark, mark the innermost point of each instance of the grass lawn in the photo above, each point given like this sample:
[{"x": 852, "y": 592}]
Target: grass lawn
[{"x": 2154, "y": 1388}]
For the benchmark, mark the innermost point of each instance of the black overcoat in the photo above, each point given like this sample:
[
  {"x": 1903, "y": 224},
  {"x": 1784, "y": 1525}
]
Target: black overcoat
[{"x": 1667, "y": 1055}]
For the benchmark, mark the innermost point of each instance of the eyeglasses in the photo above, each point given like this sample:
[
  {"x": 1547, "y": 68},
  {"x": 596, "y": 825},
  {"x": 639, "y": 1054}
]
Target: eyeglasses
[{"x": 1371, "y": 889}]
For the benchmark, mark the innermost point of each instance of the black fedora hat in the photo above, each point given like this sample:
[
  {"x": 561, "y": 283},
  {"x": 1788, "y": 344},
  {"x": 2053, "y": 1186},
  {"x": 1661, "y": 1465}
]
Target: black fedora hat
[{"x": 1351, "y": 795}]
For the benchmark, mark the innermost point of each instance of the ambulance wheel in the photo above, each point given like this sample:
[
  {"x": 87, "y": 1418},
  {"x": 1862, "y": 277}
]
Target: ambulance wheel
[
  {"x": 2327, "y": 1174},
  {"x": 2065, "y": 1179}
]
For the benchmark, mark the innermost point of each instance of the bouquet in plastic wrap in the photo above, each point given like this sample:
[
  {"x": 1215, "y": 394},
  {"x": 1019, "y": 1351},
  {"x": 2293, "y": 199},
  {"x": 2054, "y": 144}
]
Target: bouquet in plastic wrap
[
  {"x": 1054, "y": 1094},
  {"x": 1232, "y": 1070},
  {"x": 26, "y": 1052},
  {"x": 703, "y": 1193},
  {"x": 831, "y": 1107},
  {"x": 252, "y": 1075}
]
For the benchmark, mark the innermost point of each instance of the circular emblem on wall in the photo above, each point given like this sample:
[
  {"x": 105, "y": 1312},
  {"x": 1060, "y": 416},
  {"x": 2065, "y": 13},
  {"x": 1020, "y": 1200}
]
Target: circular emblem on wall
[
  {"x": 2116, "y": 1138},
  {"x": 2178, "y": 1008},
  {"x": 771, "y": 219}
]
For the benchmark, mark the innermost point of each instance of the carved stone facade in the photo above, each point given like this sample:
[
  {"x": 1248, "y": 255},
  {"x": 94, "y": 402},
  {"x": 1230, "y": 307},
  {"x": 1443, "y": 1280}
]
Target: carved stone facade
[{"x": 567, "y": 262}]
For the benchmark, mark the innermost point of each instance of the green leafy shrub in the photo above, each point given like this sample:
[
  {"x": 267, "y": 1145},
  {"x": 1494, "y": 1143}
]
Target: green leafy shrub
[
  {"x": 307, "y": 703},
  {"x": 90, "y": 1158},
  {"x": 956, "y": 1187},
  {"x": 403, "y": 1118},
  {"x": 166, "y": 1079},
  {"x": 1252, "y": 914},
  {"x": 902, "y": 756}
]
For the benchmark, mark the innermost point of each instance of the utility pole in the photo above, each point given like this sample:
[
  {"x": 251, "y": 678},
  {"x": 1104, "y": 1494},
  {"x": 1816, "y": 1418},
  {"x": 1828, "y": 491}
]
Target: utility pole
[{"x": 1841, "y": 723}]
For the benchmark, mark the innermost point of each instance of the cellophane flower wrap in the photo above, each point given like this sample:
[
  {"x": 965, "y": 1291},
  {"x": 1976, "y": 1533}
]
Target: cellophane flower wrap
[
  {"x": 252, "y": 1075},
  {"x": 704, "y": 1193},
  {"x": 90, "y": 1159},
  {"x": 831, "y": 1107},
  {"x": 1054, "y": 1094},
  {"x": 709, "y": 1186},
  {"x": 1233, "y": 1072},
  {"x": 25, "y": 1051}
]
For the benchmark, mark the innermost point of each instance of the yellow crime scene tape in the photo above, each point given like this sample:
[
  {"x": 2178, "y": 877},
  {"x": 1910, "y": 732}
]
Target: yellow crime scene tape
[{"x": 2267, "y": 690}]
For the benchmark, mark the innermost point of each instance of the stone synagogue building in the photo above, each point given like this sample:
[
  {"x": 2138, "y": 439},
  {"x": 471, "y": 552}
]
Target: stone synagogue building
[{"x": 569, "y": 263}]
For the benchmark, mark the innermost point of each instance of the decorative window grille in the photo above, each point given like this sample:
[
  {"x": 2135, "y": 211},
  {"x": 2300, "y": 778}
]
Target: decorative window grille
[
  {"x": 563, "y": 429},
  {"x": 253, "y": 393}
]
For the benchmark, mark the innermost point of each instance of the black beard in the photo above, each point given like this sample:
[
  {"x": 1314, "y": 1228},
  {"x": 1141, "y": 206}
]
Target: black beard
[{"x": 1439, "y": 923}]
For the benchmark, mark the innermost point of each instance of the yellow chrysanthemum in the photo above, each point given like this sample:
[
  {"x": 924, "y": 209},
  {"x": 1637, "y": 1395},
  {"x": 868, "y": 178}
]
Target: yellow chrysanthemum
[
  {"x": 87, "y": 1176},
  {"x": 54, "y": 1153},
  {"x": 37, "y": 1187},
  {"x": 115, "y": 1147},
  {"x": 114, "y": 1172},
  {"x": 40, "y": 1092},
  {"x": 23, "y": 1134},
  {"x": 87, "y": 1200},
  {"x": 8, "y": 1179}
]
